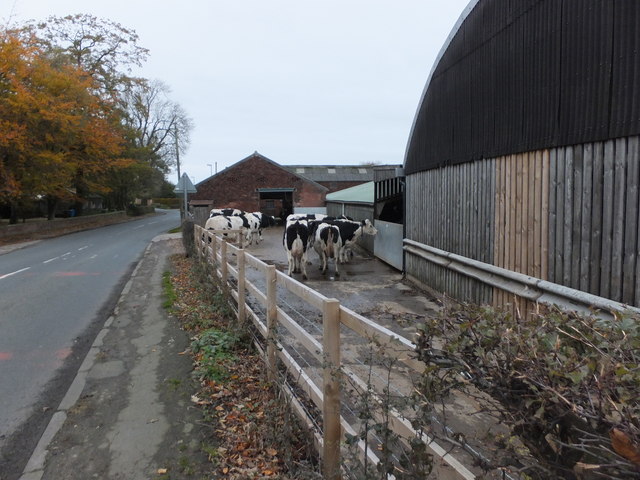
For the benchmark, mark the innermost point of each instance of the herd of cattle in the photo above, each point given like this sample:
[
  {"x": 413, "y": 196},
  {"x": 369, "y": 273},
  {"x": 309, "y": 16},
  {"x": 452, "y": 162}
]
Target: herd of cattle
[{"x": 330, "y": 237}]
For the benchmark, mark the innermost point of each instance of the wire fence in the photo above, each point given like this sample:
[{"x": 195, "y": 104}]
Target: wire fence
[{"x": 348, "y": 378}]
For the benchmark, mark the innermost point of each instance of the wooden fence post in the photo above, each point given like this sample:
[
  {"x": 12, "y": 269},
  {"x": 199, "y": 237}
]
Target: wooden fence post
[
  {"x": 241, "y": 289},
  {"x": 272, "y": 314},
  {"x": 223, "y": 262},
  {"x": 213, "y": 250},
  {"x": 331, "y": 388}
]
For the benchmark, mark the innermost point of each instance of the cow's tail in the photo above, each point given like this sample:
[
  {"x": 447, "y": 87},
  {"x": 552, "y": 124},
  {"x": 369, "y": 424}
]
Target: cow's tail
[
  {"x": 297, "y": 249},
  {"x": 330, "y": 246}
]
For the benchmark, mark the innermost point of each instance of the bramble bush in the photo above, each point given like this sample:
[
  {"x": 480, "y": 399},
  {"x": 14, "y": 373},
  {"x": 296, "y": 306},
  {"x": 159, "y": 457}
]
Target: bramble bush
[{"x": 568, "y": 385}]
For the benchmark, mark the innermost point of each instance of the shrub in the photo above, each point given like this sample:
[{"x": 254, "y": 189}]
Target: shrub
[
  {"x": 137, "y": 210},
  {"x": 566, "y": 383}
]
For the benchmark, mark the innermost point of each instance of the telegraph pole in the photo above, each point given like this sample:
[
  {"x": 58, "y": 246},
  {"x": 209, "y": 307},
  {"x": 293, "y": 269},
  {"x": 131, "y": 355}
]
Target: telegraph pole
[{"x": 177, "y": 150}]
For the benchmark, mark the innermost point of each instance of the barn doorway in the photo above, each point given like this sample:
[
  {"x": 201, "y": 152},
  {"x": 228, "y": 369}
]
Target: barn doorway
[{"x": 277, "y": 202}]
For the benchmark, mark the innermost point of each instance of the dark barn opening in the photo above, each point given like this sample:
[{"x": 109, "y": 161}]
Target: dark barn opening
[{"x": 277, "y": 202}]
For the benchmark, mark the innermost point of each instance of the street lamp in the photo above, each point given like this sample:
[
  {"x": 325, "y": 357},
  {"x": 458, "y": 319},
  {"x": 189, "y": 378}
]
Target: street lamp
[{"x": 210, "y": 168}]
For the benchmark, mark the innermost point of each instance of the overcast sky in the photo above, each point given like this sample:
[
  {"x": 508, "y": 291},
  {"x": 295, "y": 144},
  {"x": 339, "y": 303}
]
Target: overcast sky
[{"x": 301, "y": 82}]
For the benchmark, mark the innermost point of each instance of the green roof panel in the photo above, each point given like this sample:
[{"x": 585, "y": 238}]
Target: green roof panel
[{"x": 363, "y": 193}]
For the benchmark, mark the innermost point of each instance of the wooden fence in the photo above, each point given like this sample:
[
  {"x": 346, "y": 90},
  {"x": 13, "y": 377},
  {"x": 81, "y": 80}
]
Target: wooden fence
[{"x": 257, "y": 290}]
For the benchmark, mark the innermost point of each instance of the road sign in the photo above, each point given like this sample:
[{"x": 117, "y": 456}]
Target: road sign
[{"x": 185, "y": 185}]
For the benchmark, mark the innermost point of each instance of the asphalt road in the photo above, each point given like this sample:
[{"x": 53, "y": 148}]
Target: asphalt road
[{"x": 54, "y": 297}]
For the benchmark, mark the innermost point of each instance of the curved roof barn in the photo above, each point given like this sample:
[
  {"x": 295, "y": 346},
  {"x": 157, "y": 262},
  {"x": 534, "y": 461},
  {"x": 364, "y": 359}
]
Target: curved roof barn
[{"x": 527, "y": 75}]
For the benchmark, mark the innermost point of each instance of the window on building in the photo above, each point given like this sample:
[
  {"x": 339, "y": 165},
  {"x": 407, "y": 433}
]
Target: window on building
[{"x": 331, "y": 170}]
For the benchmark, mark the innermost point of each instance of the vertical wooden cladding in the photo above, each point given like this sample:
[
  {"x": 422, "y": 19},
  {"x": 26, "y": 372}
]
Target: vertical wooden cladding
[
  {"x": 521, "y": 205},
  {"x": 594, "y": 231},
  {"x": 452, "y": 209},
  {"x": 570, "y": 215}
]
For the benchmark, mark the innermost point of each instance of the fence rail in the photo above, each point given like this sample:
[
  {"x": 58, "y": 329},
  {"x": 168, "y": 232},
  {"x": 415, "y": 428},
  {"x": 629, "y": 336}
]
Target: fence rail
[
  {"x": 514, "y": 283},
  {"x": 282, "y": 336}
]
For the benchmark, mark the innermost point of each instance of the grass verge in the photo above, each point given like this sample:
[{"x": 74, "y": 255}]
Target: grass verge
[{"x": 258, "y": 437}]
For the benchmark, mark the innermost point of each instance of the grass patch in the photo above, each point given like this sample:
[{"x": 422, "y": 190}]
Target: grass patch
[
  {"x": 174, "y": 384},
  {"x": 168, "y": 290},
  {"x": 214, "y": 349}
]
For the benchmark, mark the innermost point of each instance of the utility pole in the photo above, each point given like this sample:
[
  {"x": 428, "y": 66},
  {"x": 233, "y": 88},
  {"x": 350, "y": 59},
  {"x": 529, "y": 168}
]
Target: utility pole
[{"x": 177, "y": 151}]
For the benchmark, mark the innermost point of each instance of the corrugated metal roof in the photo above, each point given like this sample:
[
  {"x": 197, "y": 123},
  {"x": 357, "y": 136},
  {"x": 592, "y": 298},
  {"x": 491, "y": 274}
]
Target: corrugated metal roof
[
  {"x": 363, "y": 193},
  {"x": 527, "y": 75},
  {"x": 333, "y": 173}
]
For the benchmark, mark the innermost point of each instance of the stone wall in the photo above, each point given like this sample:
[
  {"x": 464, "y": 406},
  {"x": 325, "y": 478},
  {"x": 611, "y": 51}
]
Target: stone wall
[{"x": 34, "y": 230}]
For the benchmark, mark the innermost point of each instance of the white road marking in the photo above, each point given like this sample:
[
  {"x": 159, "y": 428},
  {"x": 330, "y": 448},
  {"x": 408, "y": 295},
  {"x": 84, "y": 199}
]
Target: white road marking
[
  {"x": 51, "y": 260},
  {"x": 82, "y": 248},
  {"x": 13, "y": 273}
]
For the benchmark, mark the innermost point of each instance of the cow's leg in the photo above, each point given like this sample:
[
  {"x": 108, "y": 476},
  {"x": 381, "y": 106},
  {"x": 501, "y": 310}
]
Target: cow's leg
[
  {"x": 291, "y": 262},
  {"x": 340, "y": 254},
  {"x": 303, "y": 262}
]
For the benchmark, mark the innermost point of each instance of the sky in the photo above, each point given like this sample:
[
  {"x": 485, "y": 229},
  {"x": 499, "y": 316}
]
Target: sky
[{"x": 331, "y": 82}]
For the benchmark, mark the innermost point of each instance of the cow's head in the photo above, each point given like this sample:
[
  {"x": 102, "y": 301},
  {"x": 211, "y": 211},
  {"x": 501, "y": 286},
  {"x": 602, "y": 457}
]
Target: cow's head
[{"x": 368, "y": 228}]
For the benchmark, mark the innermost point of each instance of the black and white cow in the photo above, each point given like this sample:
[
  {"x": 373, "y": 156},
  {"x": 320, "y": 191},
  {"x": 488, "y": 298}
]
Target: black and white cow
[
  {"x": 327, "y": 243},
  {"x": 350, "y": 232},
  {"x": 296, "y": 241},
  {"x": 262, "y": 221},
  {"x": 306, "y": 216},
  {"x": 228, "y": 212},
  {"x": 232, "y": 222}
]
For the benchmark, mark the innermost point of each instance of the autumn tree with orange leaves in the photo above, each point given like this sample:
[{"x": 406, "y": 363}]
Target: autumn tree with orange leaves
[
  {"x": 156, "y": 128},
  {"x": 70, "y": 111},
  {"x": 53, "y": 127}
]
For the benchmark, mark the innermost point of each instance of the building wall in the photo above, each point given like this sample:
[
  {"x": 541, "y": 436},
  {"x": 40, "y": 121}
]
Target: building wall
[
  {"x": 569, "y": 215},
  {"x": 236, "y": 186},
  {"x": 524, "y": 151}
]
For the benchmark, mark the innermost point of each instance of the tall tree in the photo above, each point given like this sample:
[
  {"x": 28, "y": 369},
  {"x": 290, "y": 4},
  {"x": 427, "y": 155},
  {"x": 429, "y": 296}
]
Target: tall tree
[
  {"x": 157, "y": 128},
  {"x": 104, "y": 49},
  {"x": 158, "y": 125},
  {"x": 152, "y": 122},
  {"x": 53, "y": 128},
  {"x": 153, "y": 129}
]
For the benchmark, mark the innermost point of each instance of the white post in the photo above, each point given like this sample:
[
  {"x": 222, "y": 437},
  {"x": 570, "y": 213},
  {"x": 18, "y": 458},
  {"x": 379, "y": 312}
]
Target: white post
[
  {"x": 241, "y": 290},
  {"x": 223, "y": 262},
  {"x": 272, "y": 315}
]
